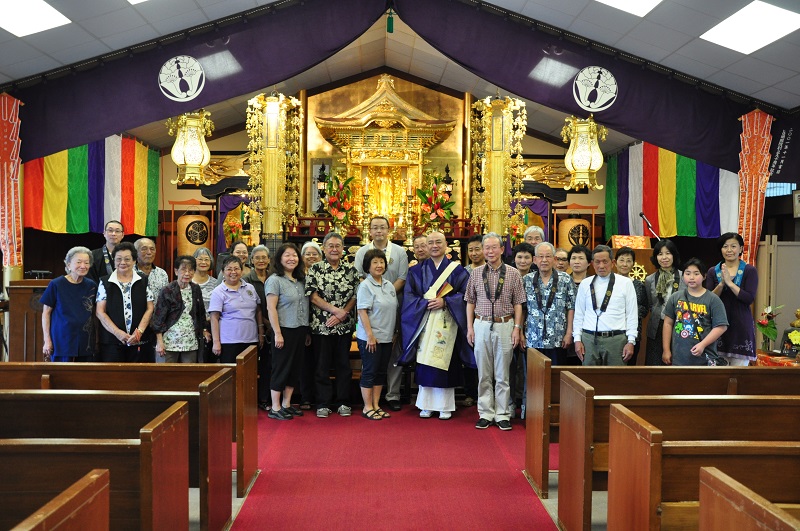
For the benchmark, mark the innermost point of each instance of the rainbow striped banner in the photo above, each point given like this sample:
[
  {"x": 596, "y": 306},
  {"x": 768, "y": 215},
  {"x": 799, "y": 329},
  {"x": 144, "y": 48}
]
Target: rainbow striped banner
[
  {"x": 79, "y": 189},
  {"x": 680, "y": 196}
]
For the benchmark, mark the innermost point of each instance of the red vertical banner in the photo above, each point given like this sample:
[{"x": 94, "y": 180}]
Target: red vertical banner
[
  {"x": 10, "y": 206},
  {"x": 127, "y": 185},
  {"x": 753, "y": 178},
  {"x": 650, "y": 186}
]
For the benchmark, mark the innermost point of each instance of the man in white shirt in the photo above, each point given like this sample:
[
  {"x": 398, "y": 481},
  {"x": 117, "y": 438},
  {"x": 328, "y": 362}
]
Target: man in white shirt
[{"x": 606, "y": 319}]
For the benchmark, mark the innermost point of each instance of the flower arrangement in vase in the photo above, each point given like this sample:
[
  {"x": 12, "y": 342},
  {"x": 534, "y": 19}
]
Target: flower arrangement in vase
[
  {"x": 435, "y": 201},
  {"x": 766, "y": 325},
  {"x": 233, "y": 227},
  {"x": 340, "y": 199}
]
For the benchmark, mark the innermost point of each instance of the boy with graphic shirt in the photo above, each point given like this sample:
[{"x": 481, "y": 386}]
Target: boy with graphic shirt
[{"x": 694, "y": 319}]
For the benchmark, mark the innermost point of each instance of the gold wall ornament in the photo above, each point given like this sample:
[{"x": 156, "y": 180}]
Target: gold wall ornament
[
  {"x": 275, "y": 129},
  {"x": 497, "y": 127},
  {"x": 190, "y": 152},
  {"x": 583, "y": 158}
]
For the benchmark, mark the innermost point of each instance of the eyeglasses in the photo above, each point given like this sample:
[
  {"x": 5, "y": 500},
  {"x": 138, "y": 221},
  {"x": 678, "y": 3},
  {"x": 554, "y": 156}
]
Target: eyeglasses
[
  {"x": 561, "y": 259},
  {"x": 121, "y": 259}
]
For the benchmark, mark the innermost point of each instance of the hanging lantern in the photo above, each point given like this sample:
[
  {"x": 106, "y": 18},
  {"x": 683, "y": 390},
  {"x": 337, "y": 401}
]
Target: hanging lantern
[
  {"x": 583, "y": 158},
  {"x": 190, "y": 152}
]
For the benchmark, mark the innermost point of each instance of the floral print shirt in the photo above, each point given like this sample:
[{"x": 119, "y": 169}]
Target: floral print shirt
[
  {"x": 336, "y": 286},
  {"x": 555, "y": 317}
]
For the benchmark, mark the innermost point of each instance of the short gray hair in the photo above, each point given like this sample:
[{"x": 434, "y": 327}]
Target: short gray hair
[
  {"x": 138, "y": 243},
  {"x": 77, "y": 250},
  {"x": 258, "y": 248},
  {"x": 532, "y": 229},
  {"x": 332, "y": 234},
  {"x": 603, "y": 249},
  {"x": 492, "y": 235},
  {"x": 543, "y": 245},
  {"x": 313, "y": 245},
  {"x": 205, "y": 251}
]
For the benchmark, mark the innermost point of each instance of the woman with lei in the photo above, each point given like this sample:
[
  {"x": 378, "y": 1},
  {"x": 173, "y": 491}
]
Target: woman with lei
[{"x": 736, "y": 283}]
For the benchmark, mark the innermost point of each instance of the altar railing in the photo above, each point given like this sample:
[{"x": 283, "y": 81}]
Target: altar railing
[{"x": 319, "y": 226}]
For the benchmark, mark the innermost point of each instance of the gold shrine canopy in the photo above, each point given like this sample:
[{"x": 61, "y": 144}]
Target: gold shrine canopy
[
  {"x": 385, "y": 127},
  {"x": 384, "y": 140}
]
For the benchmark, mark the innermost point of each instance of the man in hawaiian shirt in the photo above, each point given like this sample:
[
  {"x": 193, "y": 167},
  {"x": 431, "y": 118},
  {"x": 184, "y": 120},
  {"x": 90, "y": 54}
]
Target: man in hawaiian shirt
[
  {"x": 332, "y": 286},
  {"x": 551, "y": 305}
]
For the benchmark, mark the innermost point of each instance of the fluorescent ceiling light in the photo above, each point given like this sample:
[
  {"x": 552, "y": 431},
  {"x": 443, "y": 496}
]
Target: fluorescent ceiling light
[
  {"x": 552, "y": 72},
  {"x": 29, "y": 17},
  {"x": 753, "y": 27},
  {"x": 134, "y": 2},
  {"x": 635, "y": 7},
  {"x": 219, "y": 65}
]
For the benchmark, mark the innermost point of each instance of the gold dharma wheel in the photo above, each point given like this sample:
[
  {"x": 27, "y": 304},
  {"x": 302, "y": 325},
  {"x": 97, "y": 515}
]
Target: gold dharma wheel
[{"x": 638, "y": 272}]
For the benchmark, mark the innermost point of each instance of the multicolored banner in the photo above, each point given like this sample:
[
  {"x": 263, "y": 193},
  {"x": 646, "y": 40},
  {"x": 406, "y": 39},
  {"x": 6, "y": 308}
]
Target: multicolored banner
[
  {"x": 77, "y": 190},
  {"x": 10, "y": 206},
  {"x": 678, "y": 195},
  {"x": 754, "y": 176}
]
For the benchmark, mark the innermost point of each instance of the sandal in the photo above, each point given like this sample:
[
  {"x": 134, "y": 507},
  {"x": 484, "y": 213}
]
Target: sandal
[
  {"x": 382, "y": 413},
  {"x": 372, "y": 414}
]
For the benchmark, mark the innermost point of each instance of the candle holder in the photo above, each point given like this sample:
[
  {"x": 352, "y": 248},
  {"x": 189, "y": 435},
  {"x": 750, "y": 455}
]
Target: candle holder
[
  {"x": 409, "y": 224},
  {"x": 365, "y": 219}
]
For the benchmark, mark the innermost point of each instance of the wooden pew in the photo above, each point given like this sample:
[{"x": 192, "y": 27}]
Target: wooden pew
[
  {"x": 209, "y": 428},
  {"x": 542, "y": 415},
  {"x": 148, "y": 464},
  {"x": 654, "y": 467},
  {"x": 157, "y": 377},
  {"x": 83, "y": 506},
  {"x": 726, "y": 504},
  {"x": 584, "y": 447}
]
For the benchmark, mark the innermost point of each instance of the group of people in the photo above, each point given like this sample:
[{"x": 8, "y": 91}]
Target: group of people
[{"x": 458, "y": 325}]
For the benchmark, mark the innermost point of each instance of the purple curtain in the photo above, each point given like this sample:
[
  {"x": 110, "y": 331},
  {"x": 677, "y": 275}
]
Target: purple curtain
[
  {"x": 124, "y": 93},
  {"x": 649, "y": 106},
  {"x": 226, "y": 204}
]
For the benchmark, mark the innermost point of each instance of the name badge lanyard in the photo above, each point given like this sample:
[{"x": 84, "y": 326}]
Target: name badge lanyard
[
  {"x": 500, "y": 281},
  {"x": 538, "y": 292},
  {"x": 604, "y": 305},
  {"x": 108, "y": 261}
]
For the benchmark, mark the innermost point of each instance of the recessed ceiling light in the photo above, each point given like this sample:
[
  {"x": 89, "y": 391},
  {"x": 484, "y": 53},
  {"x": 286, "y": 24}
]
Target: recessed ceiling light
[
  {"x": 552, "y": 72},
  {"x": 635, "y": 7},
  {"x": 753, "y": 27},
  {"x": 29, "y": 17}
]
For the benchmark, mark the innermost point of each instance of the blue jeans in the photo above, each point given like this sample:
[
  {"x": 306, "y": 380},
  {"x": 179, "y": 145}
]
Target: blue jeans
[{"x": 373, "y": 364}]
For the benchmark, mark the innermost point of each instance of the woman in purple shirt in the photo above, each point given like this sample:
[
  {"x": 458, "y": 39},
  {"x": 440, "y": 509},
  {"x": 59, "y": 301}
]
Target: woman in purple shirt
[{"x": 235, "y": 311}]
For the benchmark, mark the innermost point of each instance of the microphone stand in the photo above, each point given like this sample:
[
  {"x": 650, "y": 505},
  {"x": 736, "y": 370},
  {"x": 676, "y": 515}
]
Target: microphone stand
[{"x": 649, "y": 226}]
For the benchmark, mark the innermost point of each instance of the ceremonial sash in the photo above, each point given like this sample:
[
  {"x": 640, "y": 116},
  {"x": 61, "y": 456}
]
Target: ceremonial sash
[{"x": 438, "y": 329}]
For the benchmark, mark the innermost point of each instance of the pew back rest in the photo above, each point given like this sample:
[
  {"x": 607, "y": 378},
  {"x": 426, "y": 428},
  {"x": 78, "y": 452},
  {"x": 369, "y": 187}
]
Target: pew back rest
[
  {"x": 727, "y": 504},
  {"x": 83, "y": 506}
]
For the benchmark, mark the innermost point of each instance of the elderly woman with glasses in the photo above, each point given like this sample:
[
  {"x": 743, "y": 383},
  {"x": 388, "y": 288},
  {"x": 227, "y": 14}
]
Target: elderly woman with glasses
[
  {"x": 235, "y": 310},
  {"x": 124, "y": 308}
]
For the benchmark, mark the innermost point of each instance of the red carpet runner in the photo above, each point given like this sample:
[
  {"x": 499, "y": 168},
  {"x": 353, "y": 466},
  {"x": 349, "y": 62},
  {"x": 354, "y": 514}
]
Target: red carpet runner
[{"x": 398, "y": 473}]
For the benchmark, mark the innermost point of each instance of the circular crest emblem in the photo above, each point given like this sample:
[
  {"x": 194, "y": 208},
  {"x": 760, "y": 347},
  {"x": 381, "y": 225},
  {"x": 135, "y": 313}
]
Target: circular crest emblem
[
  {"x": 595, "y": 89},
  {"x": 578, "y": 235},
  {"x": 181, "y": 78},
  {"x": 197, "y": 233}
]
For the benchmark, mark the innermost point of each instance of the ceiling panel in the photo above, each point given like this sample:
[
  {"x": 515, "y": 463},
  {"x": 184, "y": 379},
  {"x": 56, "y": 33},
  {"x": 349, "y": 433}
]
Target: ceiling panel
[
  {"x": 187, "y": 19},
  {"x": 780, "y": 97},
  {"x": 156, "y": 10},
  {"x": 114, "y": 22},
  {"x": 736, "y": 82},
  {"x": 570, "y": 7},
  {"x": 133, "y": 36},
  {"x": 760, "y": 71},
  {"x": 58, "y": 38},
  {"x": 78, "y": 53}
]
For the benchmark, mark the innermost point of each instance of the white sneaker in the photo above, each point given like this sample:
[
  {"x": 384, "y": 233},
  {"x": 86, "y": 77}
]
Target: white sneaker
[
  {"x": 445, "y": 415},
  {"x": 425, "y": 414},
  {"x": 344, "y": 411},
  {"x": 323, "y": 412}
]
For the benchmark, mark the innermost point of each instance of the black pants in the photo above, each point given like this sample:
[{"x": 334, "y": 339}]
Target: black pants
[
  {"x": 120, "y": 353},
  {"x": 332, "y": 349},
  {"x": 231, "y": 350},
  {"x": 264, "y": 371},
  {"x": 308, "y": 369}
]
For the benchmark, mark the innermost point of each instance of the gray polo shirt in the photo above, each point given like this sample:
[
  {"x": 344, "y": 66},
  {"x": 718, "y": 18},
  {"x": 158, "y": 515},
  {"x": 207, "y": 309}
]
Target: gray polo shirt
[
  {"x": 380, "y": 301},
  {"x": 397, "y": 268},
  {"x": 292, "y": 301}
]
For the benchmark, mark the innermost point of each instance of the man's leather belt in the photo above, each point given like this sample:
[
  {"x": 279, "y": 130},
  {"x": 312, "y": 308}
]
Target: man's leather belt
[
  {"x": 496, "y": 319},
  {"x": 609, "y": 333}
]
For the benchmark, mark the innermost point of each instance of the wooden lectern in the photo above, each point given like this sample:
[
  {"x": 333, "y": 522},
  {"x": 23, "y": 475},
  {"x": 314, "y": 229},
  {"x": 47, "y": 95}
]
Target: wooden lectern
[{"x": 25, "y": 320}]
